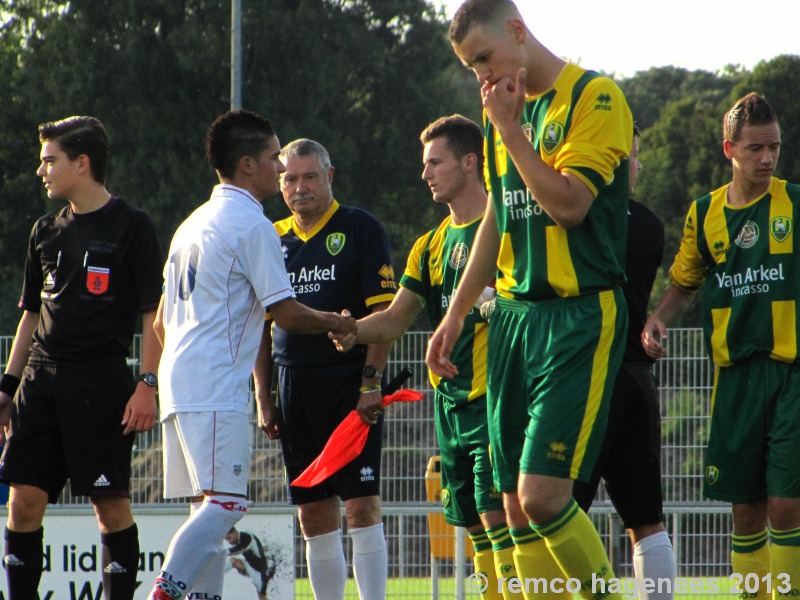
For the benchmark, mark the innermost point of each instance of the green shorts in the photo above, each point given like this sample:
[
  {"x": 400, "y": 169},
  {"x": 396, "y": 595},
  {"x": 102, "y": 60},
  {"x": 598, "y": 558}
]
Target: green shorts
[
  {"x": 550, "y": 375},
  {"x": 753, "y": 447},
  {"x": 463, "y": 436}
]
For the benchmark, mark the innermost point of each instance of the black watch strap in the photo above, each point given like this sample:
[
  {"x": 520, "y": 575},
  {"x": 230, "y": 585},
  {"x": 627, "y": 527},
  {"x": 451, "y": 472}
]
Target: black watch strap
[
  {"x": 371, "y": 372},
  {"x": 149, "y": 379}
]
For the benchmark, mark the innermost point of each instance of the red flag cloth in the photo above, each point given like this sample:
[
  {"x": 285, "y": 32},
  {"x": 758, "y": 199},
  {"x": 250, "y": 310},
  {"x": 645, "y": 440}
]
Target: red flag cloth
[{"x": 346, "y": 443}]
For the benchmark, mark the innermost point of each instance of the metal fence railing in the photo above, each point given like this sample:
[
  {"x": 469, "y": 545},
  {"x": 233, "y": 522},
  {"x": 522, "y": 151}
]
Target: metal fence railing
[
  {"x": 700, "y": 529},
  {"x": 685, "y": 379}
]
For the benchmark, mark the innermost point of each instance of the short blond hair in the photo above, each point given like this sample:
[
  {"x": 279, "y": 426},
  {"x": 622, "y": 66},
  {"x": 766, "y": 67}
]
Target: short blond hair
[{"x": 478, "y": 12}]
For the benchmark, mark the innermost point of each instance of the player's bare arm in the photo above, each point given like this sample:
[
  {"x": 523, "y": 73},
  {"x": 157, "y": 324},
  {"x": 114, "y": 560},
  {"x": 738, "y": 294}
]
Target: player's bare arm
[
  {"x": 383, "y": 326},
  {"x": 673, "y": 303},
  {"x": 158, "y": 323},
  {"x": 370, "y": 402},
  {"x": 262, "y": 378},
  {"x": 480, "y": 270},
  {"x": 140, "y": 412},
  {"x": 294, "y": 317}
]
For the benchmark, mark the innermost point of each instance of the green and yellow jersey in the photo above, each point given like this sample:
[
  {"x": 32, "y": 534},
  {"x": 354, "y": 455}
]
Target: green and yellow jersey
[
  {"x": 435, "y": 265},
  {"x": 582, "y": 126},
  {"x": 744, "y": 257}
]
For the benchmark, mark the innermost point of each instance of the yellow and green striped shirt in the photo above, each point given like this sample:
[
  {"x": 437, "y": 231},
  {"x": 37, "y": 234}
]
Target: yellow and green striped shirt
[
  {"x": 582, "y": 126},
  {"x": 435, "y": 266},
  {"x": 744, "y": 257}
]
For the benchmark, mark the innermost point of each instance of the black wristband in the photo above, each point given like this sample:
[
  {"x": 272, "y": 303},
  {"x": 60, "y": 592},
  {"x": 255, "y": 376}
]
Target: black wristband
[{"x": 9, "y": 384}]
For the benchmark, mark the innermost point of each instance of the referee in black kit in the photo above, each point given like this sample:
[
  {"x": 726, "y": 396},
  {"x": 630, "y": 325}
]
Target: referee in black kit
[{"x": 92, "y": 268}]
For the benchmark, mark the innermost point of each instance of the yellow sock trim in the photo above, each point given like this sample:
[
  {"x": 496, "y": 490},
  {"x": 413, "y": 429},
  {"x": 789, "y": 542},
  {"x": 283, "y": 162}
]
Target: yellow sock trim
[
  {"x": 788, "y": 537},
  {"x": 500, "y": 536},
  {"x": 525, "y": 535},
  {"x": 480, "y": 541},
  {"x": 749, "y": 543}
]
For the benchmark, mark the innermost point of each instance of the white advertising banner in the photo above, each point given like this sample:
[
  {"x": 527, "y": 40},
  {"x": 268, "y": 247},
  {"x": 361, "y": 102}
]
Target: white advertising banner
[{"x": 72, "y": 555}]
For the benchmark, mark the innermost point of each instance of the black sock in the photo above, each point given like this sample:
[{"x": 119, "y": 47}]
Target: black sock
[
  {"x": 120, "y": 562},
  {"x": 24, "y": 560}
]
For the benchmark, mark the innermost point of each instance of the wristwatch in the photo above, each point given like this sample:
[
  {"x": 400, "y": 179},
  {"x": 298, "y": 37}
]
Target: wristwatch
[
  {"x": 149, "y": 379},
  {"x": 371, "y": 372}
]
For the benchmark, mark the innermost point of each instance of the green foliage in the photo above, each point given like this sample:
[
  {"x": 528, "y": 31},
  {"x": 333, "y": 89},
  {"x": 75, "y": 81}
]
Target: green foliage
[
  {"x": 363, "y": 77},
  {"x": 649, "y": 92},
  {"x": 779, "y": 81},
  {"x": 680, "y": 113},
  {"x": 683, "y": 436}
]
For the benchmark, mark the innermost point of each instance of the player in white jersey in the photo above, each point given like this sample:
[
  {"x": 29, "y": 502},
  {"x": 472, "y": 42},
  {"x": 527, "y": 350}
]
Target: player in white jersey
[
  {"x": 223, "y": 285},
  {"x": 225, "y": 267}
]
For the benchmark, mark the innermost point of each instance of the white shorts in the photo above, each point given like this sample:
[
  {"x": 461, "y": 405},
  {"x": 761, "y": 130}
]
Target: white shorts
[{"x": 206, "y": 451}]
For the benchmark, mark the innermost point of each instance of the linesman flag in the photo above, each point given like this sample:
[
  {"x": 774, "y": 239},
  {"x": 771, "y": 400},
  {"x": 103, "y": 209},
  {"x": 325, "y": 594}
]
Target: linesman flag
[{"x": 348, "y": 439}]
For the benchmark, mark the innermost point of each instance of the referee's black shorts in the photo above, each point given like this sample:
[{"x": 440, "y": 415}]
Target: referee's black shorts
[
  {"x": 66, "y": 424},
  {"x": 630, "y": 459}
]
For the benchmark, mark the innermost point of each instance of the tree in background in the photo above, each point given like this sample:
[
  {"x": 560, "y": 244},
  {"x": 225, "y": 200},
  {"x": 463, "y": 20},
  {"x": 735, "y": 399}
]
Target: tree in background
[
  {"x": 150, "y": 70},
  {"x": 682, "y": 149},
  {"x": 362, "y": 76},
  {"x": 779, "y": 80}
]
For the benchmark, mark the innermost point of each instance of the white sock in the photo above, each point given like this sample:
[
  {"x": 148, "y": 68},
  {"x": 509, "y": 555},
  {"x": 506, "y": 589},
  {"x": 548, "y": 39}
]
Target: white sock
[
  {"x": 327, "y": 570},
  {"x": 208, "y": 583},
  {"x": 370, "y": 561},
  {"x": 196, "y": 545},
  {"x": 654, "y": 560}
]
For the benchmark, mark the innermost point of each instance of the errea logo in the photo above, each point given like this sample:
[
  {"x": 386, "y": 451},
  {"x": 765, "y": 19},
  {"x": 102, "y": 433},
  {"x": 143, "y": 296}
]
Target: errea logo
[
  {"x": 603, "y": 102},
  {"x": 367, "y": 474},
  {"x": 387, "y": 272},
  {"x": 558, "y": 451},
  {"x": 529, "y": 131}
]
